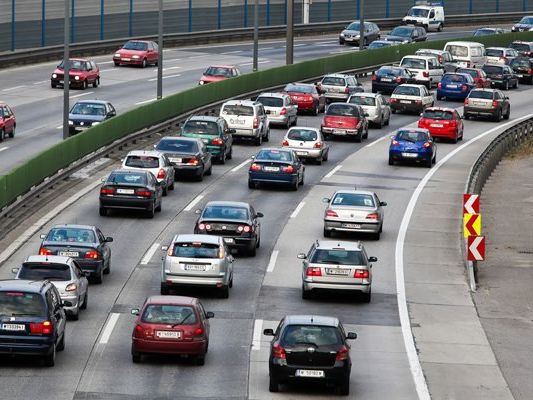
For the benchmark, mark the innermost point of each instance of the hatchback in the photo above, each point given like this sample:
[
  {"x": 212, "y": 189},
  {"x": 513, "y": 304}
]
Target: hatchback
[
  {"x": 82, "y": 73},
  {"x": 216, "y": 73},
  {"x": 479, "y": 76},
  {"x": 214, "y": 132},
  {"x": 524, "y": 48},
  {"x": 197, "y": 260},
  {"x": 414, "y": 145},
  {"x": 248, "y": 119},
  {"x": 411, "y": 98},
  {"x": 375, "y": 106},
  {"x": 155, "y": 162},
  {"x": 500, "y": 55},
  {"x": 523, "y": 68},
  {"x": 310, "y": 348},
  {"x": 347, "y": 120},
  {"x": 8, "y": 122},
  {"x": 491, "y": 103},
  {"x": 442, "y": 123},
  {"x": 276, "y": 166},
  {"x": 171, "y": 325},
  {"x": 387, "y": 78},
  {"x": 87, "y": 113},
  {"x": 443, "y": 57},
  {"x": 407, "y": 34},
  {"x": 338, "y": 87},
  {"x": 426, "y": 70},
  {"x": 308, "y": 97},
  {"x": 351, "y": 34},
  {"x": 455, "y": 86},
  {"x": 188, "y": 155},
  {"x": 307, "y": 143},
  {"x": 280, "y": 107},
  {"x": 137, "y": 52},
  {"x": 501, "y": 76}
]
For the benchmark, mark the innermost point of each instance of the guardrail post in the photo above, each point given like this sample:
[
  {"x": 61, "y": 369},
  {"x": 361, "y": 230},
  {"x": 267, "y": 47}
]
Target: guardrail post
[
  {"x": 43, "y": 23},
  {"x": 130, "y": 20},
  {"x": 101, "y": 19},
  {"x": 329, "y": 10},
  {"x": 190, "y": 15},
  {"x": 73, "y": 23},
  {"x": 219, "y": 14},
  {"x": 470, "y": 6},
  {"x": 245, "y": 13},
  {"x": 13, "y": 21},
  {"x": 268, "y": 13}
]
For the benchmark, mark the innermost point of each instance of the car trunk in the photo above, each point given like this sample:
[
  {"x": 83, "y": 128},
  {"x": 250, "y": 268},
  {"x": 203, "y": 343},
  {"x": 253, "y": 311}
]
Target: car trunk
[
  {"x": 274, "y": 166},
  {"x": 194, "y": 266},
  {"x": 480, "y": 103},
  {"x": 180, "y": 158},
  {"x": 352, "y": 213},
  {"x": 69, "y": 249},
  {"x": 320, "y": 356},
  {"x": 343, "y": 122}
]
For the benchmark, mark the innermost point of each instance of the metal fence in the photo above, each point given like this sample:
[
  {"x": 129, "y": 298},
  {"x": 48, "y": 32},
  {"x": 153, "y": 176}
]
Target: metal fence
[{"x": 39, "y": 23}]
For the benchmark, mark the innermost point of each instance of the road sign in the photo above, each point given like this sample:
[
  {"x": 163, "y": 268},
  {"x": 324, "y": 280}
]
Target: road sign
[
  {"x": 470, "y": 203},
  {"x": 472, "y": 224},
  {"x": 476, "y": 248}
]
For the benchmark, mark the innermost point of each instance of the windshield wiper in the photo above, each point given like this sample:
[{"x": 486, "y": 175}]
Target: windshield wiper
[
  {"x": 183, "y": 320},
  {"x": 24, "y": 314}
]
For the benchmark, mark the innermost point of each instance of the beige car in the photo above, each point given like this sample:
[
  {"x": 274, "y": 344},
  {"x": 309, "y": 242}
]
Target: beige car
[
  {"x": 307, "y": 143},
  {"x": 375, "y": 105}
]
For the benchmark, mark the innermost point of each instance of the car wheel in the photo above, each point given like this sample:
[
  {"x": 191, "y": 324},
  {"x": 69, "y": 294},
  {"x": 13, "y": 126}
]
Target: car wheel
[
  {"x": 165, "y": 191},
  {"x": 315, "y": 110},
  {"x": 222, "y": 158},
  {"x": 439, "y": 97},
  {"x": 12, "y": 133},
  {"x": 466, "y": 116},
  {"x": 230, "y": 284},
  {"x": 498, "y": 116},
  {"x": 387, "y": 122},
  {"x": 2, "y": 134},
  {"x": 96, "y": 82},
  {"x": 507, "y": 114},
  {"x": 325, "y": 157},
  {"x": 267, "y": 136},
  {"x": 366, "y": 133},
  {"x": 230, "y": 154},
  {"x": 439, "y": 28},
  {"x": 50, "y": 359},
  {"x": 224, "y": 292},
  {"x": 251, "y": 184},
  {"x": 100, "y": 277},
  {"x": 319, "y": 160},
  {"x": 327, "y": 233},
  {"x": 391, "y": 161},
  {"x": 85, "y": 84},
  {"x": 306, "y": 294},
  {"x": 209, "y": 171},
  {"x": 102, "y": 211},
  {"x": 295, "y": 122},
  {"x": 85, "y": 300},
  {"x": 171, "y": 186},
  {"x": 295, "y": 185},
  {"x": 117, "y": 64},
  {"x": 367, "y": 297},
  {"x": 107, "y": 270},
  {"x": 150, "y": 213},
  {"x": 259, "y": 140},
  {"x": 379, "y": 125},
  {"x": 429, "y": 163},
  {"x": 506, "y": 86},
  {"x": 61, "y": 344},
  {"x": 200, "y": 359},
  {"x": 344, "y": 388},
  {"x": 144, "y": 64},
  {"x": 456, "y": 138},
  {"x": 258, "y": 242},
  {"x": 53, "y": 85},
  {"x": 164, "y": 290},
  {"x": 136, "y": 357},
  {"x": 273, "y": 385},
  {"x": 359, "y": 137},
  {"x": 302, "y": 180},
  {"x": 75, "y": 315},
  {"x": 160, "y": 206},
  {"x": 393, "y": 110},
  {"x": 252, "y": 251},
  {"x": 377, "y": 235}
]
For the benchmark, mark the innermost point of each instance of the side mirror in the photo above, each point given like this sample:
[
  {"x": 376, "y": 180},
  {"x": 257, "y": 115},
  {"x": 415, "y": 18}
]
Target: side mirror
[
  {"x": 42, "y": 235},
  {"x": 164, "y": 248},
  {"x": 301, "y": 256},
  {"x": 268, "y": 332},
  {"x": 421, "y": 114},
  {"x": 326, "y": 200},
  {"x": 66, "y": 303},
  {"x": 86, "y": 274},
  {"x": 392, "y": 137},
  {"x": 101, "y": 180},
  {"x": 15, "y": 270},
  {"x": 382, "y": 203},
  {"x": 506, "y": 97},
  {"x": 198, "y": 211},
  {"x": 259, "y": 215},
  {"x": 108, "y": 239},
  {"x": 351, "y": 336},
  {"x": 155, "y": 146},
  {"x": 134, "y": 311},
  {"x": 252, "y": 158},
  {"x": 372, "y": 259},
  {"x": 209, "y": 314}
]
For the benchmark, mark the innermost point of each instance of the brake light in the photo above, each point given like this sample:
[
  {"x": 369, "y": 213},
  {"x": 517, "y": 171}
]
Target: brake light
[
  {"x": 361, "y": 274},
  {"x": 193, "y": 161},
  {"x": 309, "y": 98},
  {"x": 161, "y": 174},
  {"x": 466, "y": 102},
  {"x": 221, "y": 252},
  {"x": 143, "y": 193},
  {"x": 530, "y": 71},
  {"x": 71, "y": 287},
  {"x": 399, "y": 79},
  {"x": 395, "y": 142},
  {"x": 105, "y": 190},
  {"x": 372, "y": 216},
  {"x": 313, "y": 271},
  {"x": 425, "y": 74},
  {"x": 92, "y": 254},
  {"x": 285, "y": 142},
  {"x": 217, "y": 142},
  {"x": 342, "y": 354},
  {"x": 427, "y": 145},
  {"x": 170, "y": 251},
  {"x": 418, "y": 101},
  {"x": 331, "y": 213},
  {"x": 41, "y": 328},
  {"x": 244, "y": 228},
  {"x": 198, "y": 332},
  {"x": 374, "y": 78},
  {"x": 439, "y": 85},
  {"x": 256, "y": 123},
  {"x": 393, "y": 100},
  {"x": 346, "y": 90},
  {"x": 255, "y": 167},
  {"x": 318, "y": 145},
  {"x": 201, "y": 227},
  {"x": 43, "y": 251},
  {"x": 440, "y": 60},
  {"x": 138, "y": 331},
  {"x": 283, "y": 111},
  {"x": 278, "y": 351},
  {"x": 288, "y": 170},
  {"x": 494, "y": 103},
  {"x": 464, "y": 88}
]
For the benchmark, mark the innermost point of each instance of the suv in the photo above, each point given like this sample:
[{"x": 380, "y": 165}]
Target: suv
[
  {"x": 307, "y": 347},
  {"x": 32, "y": 319},
  {"x": 81, "y": 73},
  {"x": 375, "y": 105},
  {"x": 426, "y": 69},
  {"x": 443, "y": 57},
  {"x": 8, "y": 123},
  {"x": 490, "y": 103},
  {"x": 338, "y": 87},
  {"x": 524, "y": 48},
  {"x": 248, "y": 118},
  {"x": 155, "y": 162},
  {"x": 337, "y": 265},
  {"x": 501, "y": 76}
]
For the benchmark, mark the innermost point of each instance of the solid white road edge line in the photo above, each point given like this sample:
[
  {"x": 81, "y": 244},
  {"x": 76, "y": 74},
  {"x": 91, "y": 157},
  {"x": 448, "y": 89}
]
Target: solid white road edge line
[
  {"x": 297, "y": 209},
  {"x": 332, "y": 172},
  {"x": 111, "y": 322},
  {"x": 272, "y": 262},
  {"x": 193, "y": 202},
  {"x": 238, "y": 167},
  {"x": 258, "y": 331},
  {"x": 4, "y": 148},
  {"x": 81, "y": 94},
  {"x": 145, "y": 101},
  {"x": 376, "y": 141},
  {"x": 412, "y": 355},
  {"x": 150, "y": 253}
]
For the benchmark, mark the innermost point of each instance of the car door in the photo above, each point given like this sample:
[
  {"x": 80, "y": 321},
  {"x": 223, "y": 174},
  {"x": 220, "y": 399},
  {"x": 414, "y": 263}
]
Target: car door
[
  {"x": 227, "y": 134},
  {"x": 291, "y": 107},
  {"x": 256, "y": 225},
  {"x": 206, "y": 156},
  {"x": 458, "y": 120},
  {"x": 103, "y": 247},
  {"x": 263, "y": 118},
  {"x": 9, "y": 119},
  {"x": 384, "y": 108},
  {"x": 111, "y": 112},
  {"x": 427, "y": 97},
  {"x": 83, "y": 282},
  {"x": 57, "y": 314}
]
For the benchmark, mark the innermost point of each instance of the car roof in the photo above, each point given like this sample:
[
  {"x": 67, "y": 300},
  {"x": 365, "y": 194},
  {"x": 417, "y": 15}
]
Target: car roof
[
  {"x": 93, "y": 101},
  {"x": 421, "y": 130},
  {"x": 483, "y": 90},
  {"x": 498, "y": 48},
  {"x": 421, "y": 57},
  {"x": 335, "y": 75},
  {"x": 74, "y": 226},
  {"x": 222, "y": 66},
  {"x": 280, "y": 148},
  {"x": 140, "y": 40},
  {"x": 448, "y": 109},
  {"x": 152, "y": 153},
  {"x": 365, "y": 94},
  {"x": 273, "y": 94},
  {"x": 339, "y": 244},
  {"x": 211, "y": 239},
  {"x": 177, "y": 300},
  {"x": 228, "y": 203},
  {"x": 181, "y": 138},
  {"x": 242, "y": 102},
  {"x": 22, "y": 285},
  {"x": 412, "y": 85},
  {"x": 463, "y": 43},
  {"x": 300, "y": 84},
  {"x": 353, "y": 191},
  {"x": 78, "y": 59},
  {"x": 124, "y": 171},
  {"x": 212, "y": 118},
  {"x": 522, "y": 42},
  {"x": 311, "y": 320},
  {"x": 49, "y": 259},
  {"x": 432, "y": 51},
  {"x": 304, "y": 127}
]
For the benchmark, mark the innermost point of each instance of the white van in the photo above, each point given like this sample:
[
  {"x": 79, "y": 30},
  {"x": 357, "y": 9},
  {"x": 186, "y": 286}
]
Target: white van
[
  {"x": 428, "y": 15},
  {"x": 467, "y": 54}
]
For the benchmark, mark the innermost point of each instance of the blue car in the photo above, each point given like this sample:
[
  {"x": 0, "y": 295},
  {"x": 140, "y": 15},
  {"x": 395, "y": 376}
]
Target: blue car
[
  {"x": 455, "y": 86},
  {"x": 413, "y": 145},
  {"x": 277, "y": 166}
]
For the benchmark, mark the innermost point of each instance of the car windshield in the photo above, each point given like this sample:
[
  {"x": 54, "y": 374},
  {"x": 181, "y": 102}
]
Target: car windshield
[
  {"x": 270, "y": 101},
  {"x": 494, "y": 52},
  {"x": 457, "y": 51},
  {"x": 337, "y": 256},
  {"x": 225, "y": 212},
  {"x": 414, "y": 63},
  {"x": 379, "y": 44},
  {"x": 484, "y": 32},
  {"x": 472, "y": 72},
  {"x": 354, "y": 26},
  {"x": 200, "y": 127},
  {"x": 178, "y": 146},
  {"x": 316, "y": 335},
  {"x": 492, "y": 69},
  {"x": 453, "y": 78},
  {"x": 65, "y": 234},
  {"x": 195, "y": 250},
  {"x": 76, "y": 65},
  {"x": 273, "y": 155},
  {"x": 411, "y": 136},
  {"x": 135, "y": 45},
  {"x": 520, "y": 47},
  {"x": 299, "y": 89},
  {"x": 304, "y": 135},
  {"x": 142, "y": 162},
  {"x": 521, "y": 62},
  {"x": 343, "y": 109},
  {"x": 333, "y": 81},
  {"x": 526, "y": 20},
  {"x": 401, "y": 31},
  {"x": 407, "y": 90},
  {"x": 438, "y": 114},
  {"x": 88, "y": 109},
  {"x": 238, "y": 109},
  {"x": 387, "y": 71},
  {"x": 169, "y": 314},
  {"x": 40, "y": 271},
  {"x": 128, "y": 179},
  {"x": 353, "y": 199},
  {"x": 218, "y": 71},
  {"x": 14, "y": 303},
  {"x": 480, "y": 94},
  {"x": 418, "y": 12},
  {"x": 362, "y": 100}
]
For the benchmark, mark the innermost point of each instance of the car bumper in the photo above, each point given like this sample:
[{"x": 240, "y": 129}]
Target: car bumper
[
  {"x": 171, "y": 280},
  {"x": 446, "y": 133},
  {"x": 128, "y": 61},
  {"x": 305, "y": 105},
  {"x": 345, "y": 226},
  {"x": 187, "y": 169},
  {"x": 353, "y": 287},
  {"x": 25, "y": 346},
  {"x": 453, "y": 94},
  {"x": 215, "y": 150},
  {"x": 126, "y": 203},
  {"x": 72, "y": 299},
  {"x": 343, "y": 97},
  {"x": 168, "y": 347},
  {"x": 262, "y": 177},
  {"x": 420, "y": 156},
  {"x": 252, "y": 133},
  {"x": 482, "y": 112},
  {"x": 339, "y": 132},
  {"x": 415, "y": 108},
  {"x": 278, "y": 119},
  {"x": 336, "y": 374},
  {"x": 93, "y": 267},
  {"x": 384, "y": 87}
]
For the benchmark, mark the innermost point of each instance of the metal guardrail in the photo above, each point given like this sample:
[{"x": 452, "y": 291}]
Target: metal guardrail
[{"x": 227, "y": 35}]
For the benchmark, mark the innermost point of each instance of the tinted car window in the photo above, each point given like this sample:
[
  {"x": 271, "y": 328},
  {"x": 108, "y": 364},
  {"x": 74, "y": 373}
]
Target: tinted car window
[
  {"x": 299, "y": 89},
  {"x": 413, "y": 63},
  {"x": 343, "y": 110},
  {"x": 363, "y": 101},
  {"x": 195, "y": 250},
  {"x": 138, "y": 179},
  {"x": 480, "y": 94},
  {"x": 185, "y": 146},
  {"x": 521, "y": 62},
  {"x": 337, "y": 256},
  {"x": 401, "y": 31},
  {"x": 472, "y": 72},
  {"x": 386, "y": 71},
  {"x": 407, "y": 90},
  {"x": 493, "y": 69},
  {"x": 169, "y": 314},
  {"x": 273, "y": 155},
  {"x": 76, "y": 65},
  {"x": 520, "y": 46},
  {"x": 88, "y": 109},
  {"x": 238, "y": 109},
  {"x": 311, "y": 334},
  {"x": 457, "y": 51},
  {"x": 134, "y": 45},
  {"x": 142, "y": 161},
  {"x": 379, "y": 44},
  {"x": 71, "y": 235},
  {"x": 453, "y": 78},
  {"x": 494, "y": 52},
  {"x": 353, "y": 199},
  {"x": 354, "y": 26},
  {"x": 438, "y": 114},
  {"x": 225, "y": 212},
  {"x": 270, "y": 101},
  {"x": 333, "y": 81},
  {"x": 41, "y": 271},
  {"x": 21, "y": 303},
  {"x": 526, "y": 20},
  {"x": 219, "y": 71},
  {"x": 304, "y": 135},
  {"x": 200, "y": 127},
  {"x": 411, "y": 136}
]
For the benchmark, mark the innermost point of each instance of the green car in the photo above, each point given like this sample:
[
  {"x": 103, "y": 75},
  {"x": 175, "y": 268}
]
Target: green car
[{"x": 214, "y": 132}]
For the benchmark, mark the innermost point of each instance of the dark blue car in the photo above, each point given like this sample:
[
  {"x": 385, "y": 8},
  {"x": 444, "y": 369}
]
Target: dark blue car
[
  {"x": 413, "y": 145},
  {"x": 455, "y": 86},
  {"x": 277, "y": 166}
]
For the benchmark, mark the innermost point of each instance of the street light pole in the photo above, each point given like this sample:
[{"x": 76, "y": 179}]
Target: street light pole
[
  {"x": 362, "y": 25},
  {"x": 256, "y": 34},
  {"x": 66, "y": 70},
  {"x": 160, "y": 55},
  {"x": 290, "y": 33}
]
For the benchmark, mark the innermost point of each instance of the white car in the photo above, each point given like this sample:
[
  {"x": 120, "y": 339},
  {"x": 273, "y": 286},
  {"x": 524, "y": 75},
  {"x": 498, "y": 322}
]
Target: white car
[
  {"x": 280, "y": 108},
  {"x": 426, "y": 70},
  {"x": 428, "y": 15},
  {"x": 155, "y": 162},
  {"x": 500, "y": 55},
  {"x": 375, "y": 105},
  {"x": 411, "y": 98},
  {"x": 248, "y": 118},
  {"x": 307, "y": 143}
]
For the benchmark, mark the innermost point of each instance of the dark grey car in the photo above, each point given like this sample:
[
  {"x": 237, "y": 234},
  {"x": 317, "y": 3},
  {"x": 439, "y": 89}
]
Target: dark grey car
[
  {"x": 188, "y": 156},
  {"x": 352, "y": 33},
  {"x": 87, "y": 113}
]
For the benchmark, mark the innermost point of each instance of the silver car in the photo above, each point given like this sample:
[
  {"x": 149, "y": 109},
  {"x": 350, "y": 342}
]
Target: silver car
[
  {"x": 333, "y": 265},
  {"x": 155, "y": 162},
  {"x": 64, "y": 273},
  {"x": 339, "y": 87},
  {"x": 197, "y": 260},
  {"x": 375, "y": 105},
  {"x": 307, "y": 143},
  {"x": 280, "y": 108},
  {"x": 354, "y": 211}
]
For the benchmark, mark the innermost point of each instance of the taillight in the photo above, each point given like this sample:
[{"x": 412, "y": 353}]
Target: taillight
[
  {"x": 143, "y": 192},
  {"x": 256, "y": 123},
  {"x": 313, "y": 271},
  {"x": 217, "y": 142},
  {"x": 201, "y": 227},
  {"x": 372, "y": 216},
  {"x": 361, "y": 274},
  {"x": 283, "y": 111},
  {"x": 309, "y": 98},
  {"x": 395, "y": 142},
  {"x": 288, "y": 170},
  {"x": 466, "y": 102},
  {"x": 161, "y": 174},
  {"x": 193, "y": 161},
  {"x": 221, "y": 252},
  {"x": 170, "y": 251},
  {"x": 439, "y": 85},
  {"x": 427, "y": 145},
  {"x": 374, "y": 78},
  {"x": 106, "y": 190},
  {"x": 285, "y": 142},
  {"x": 244, "y": 228},
  {"x": 331, "y": 213},
  {"x": 464, "y": 88},
  {"x": 318, "y": 145},
  {"x": 278, "y": 351},
  {"x": 41, "y": 328},
  {"x": 393, "y": 100},
  {"x": 440, "y": 59},
  {"x": 342, "y": 354},
  {"x": 494, "y": 103},
  {"x": 425, "y": 74},
  {"x": 71, "y": 287},
  {"x": 198, "y": 332},
  {"x": 530, "y": 71},
  {"x": 138, "y": 331},
  {"x": 255, "y": 167},
  {"x": 399, "y": 79},
  {"x": 92, "y": 254},
  {"x": 346, "y": 90},
  {"x": 418, "y": 101},
  {"x": 43, "y": 251}
]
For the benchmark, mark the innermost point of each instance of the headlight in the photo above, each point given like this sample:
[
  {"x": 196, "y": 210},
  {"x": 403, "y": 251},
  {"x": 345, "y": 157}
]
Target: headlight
[
  {"x": 54, "y": 76},
  {"x": 405, "y": 41},
  {"x": 95, "y": 123},
  {"x": 342, "y": 34},
  {"x": 117, "y": 55},
  {"x": 135, "y": 57},
  {"x": 70, "y": 122},
  {"x": 201, "y": 82},
  {"x": 77, "y": 78}
]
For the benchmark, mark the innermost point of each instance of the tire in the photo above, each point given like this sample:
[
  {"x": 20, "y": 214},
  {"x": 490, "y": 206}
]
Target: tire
[
  {"x": 506, "y": 86},
  {"x": 53, "y": 85},
  {"x": 294, "y": 186},
  {"x": 380, "y": 124},
  {"x": 171, "y": 187},
  {"x": 315, "y": 110},
  {"x": 96, "y": 82},
  {"x": 344, "y": 388},
  {"x": 85, "y": 301},
  {"x": 50, "y": 359},
  {"x": 439, "y": 28},
  {"x": 222, "y": 158},
  {"x": 151, "y": 212},
  {"x": 325, "y": 158},
  {"x": 75, "y": 315},
  {"x": 327, "y": 233},
  {"x": 100, "y": 278},
  {"x": 466, "y": 116},
  {"x": 303, "y": 178},
  {"x": 165, "y": 192},
  {"x": 319, "y": 160},
  {"x": 102, "y": 211},
  {"x": 267, "y": 136},
  {"x": 498, "y": 116},
  {"x": 516, "y": 84},
  {"x": 366, "y": 297},
  {"x": 12, "y": 133},
  {"x": 224, "y": 292},
  {"x": 366, "y": 133},
  {"x": 61, "y": 344},
  {"x": 159, "y": 207},
  {"x": 377, "y": 235},
  {"x": 306, "y": 294},
  {"x": 387, "y": 122},
  {"x": 391, "y": 161},
  {"x": 117, "y": 64},
  {"x": 136, "y": 357},
  {"x": 359, "y": 137},
  {"x": 456, "y": 138},
  {"x": 507, "y": 114},
  {"x": 144, "y": 64},
  {"x": 200, "y": 359},
  {"x": 439, "y": 97},
  {"x": 429, "y": 163},
  {"x": 2, "y": 134},
  {"x": 230, "y": 154},
  {"x": 85, "y": 84},
  {"x": 273, "y": 385},
  {"x": 107, "y": 270},
  {"x": 393, "y": 110},
  {"x": 209, "y": 171},
  {"x": 251, "y": 184},
  {"x": 252, "y": 251},
  {"x": 259, "y": 140},
  {"x": 164, "y": 290}
]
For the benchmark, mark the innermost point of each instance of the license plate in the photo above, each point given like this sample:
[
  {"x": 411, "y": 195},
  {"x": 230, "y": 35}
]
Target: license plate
[
  {"x": 301, "y": 153},
  {"x": 125, "y": 191},
  {"x": 229, "y": 240},
  {"x": 309, "y": 373},
  {"x": 60, "y": 81},
  {"x": 410, "y": 155},
  {"x": 126, "y": 59},
  {"x": 436, "y": 125},
  {"x": 271, "y": 169},
  {"x": 69, "y": 253},
  {"x": 353, "y": 226},
  {"x": 339, "y": 132},
  {"x": 175, "y": 160},
  {"x": 168, "y": 334},
  {"x": 337, "y": 271},
  {"x": 405, "y": 101},
  {"x": 386, "y": 79},
  {"x": 451, "y": 86},
  {"x": 13, "y": 327},
  {"x": 194, "y": 267}
]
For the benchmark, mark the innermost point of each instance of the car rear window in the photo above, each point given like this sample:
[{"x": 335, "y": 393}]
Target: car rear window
[
  {"x": 178, "y": 146},
  {"x": 342, "y": 109},
  {"x": 494, "y": 52},
  {"x": 225, "y": 212},
  {"x": 299, "y": 89},
  {"x": 195, "y": 250},
  {"x": 401, "y": 31},
  {"x": 169, "y": 314},
  {"x": 238, "y": 109},
  {"x": 481, "y": 94},
  {"x": 385, "y": 71},
  {"x": 142, "y": 161},
  {"x": 363, "y": 100},
  {"x": 270, "y": 101},
  {"x": 407, "y": 90},
  {"x": 457, "y": 51},
  {"x": 305, "y": 135},
  {"x": 75, "y": 65},
  {"x": 353, "y": 199},
  {"x": 132, "y": 179},
  {"x": 218, "y": 71},
  {"x": 472, "y": 72},
  {"x": 273, "y": 155},
  {"x": 316, "y": 335},
  {"x": 13, "y": 303},
  {"x": 438, "y": 114},
  {"x": 411, "y": 136},
  {"x": 521, "y": 62},
  {"x": 492, "y": 69},
  {"x": 79, "y": 235},
  {"x": 40, "y": 271},
  {"x": 88, "y": 109},
  {"x": 453, "y": 78},
  {"x": 414, "y": 63},
  {"x": 200, "y": 127},
  {"x": 134, "y": 45},
  {"x": 333, "y": 81},
  {"x": 337, "y": 256},
  {"x": 520, "y": 46}
]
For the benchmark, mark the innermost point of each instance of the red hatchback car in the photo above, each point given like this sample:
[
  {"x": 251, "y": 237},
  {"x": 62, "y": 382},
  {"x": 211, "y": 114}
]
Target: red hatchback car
[
  {"x": 137, "y": 52},
  {"x": 8, "y": 123},
  {"x": 480, "y": 77},
  {"x": 308, "y": 97},
  {"x": 82, "y": 73},
  {"x": 171, "y": 325},
  {"x": 442, "y": 123},
  {"x": 345, "y": 119},
  {"x": 216, "y": 73}
]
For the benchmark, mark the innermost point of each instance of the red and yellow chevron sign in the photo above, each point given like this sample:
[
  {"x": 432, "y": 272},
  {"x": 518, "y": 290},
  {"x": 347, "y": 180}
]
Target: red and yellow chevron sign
[{"x": 472, "y": 224}]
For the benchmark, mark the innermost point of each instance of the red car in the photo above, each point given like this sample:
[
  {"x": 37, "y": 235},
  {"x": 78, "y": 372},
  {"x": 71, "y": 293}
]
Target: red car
[
  {"x": 217, "y": 73},
  {"x": 137, "y": 52},
  {"x": 8, "y": 123},
  {"x": 82, "y": 73},
  {"x": 442, "y": 123},
  {"x": 480, "y": 77},
  {"x": 171, "y": 325},
  {"x": 308, "y": 97},
  {"x": 345, "y": 119}
]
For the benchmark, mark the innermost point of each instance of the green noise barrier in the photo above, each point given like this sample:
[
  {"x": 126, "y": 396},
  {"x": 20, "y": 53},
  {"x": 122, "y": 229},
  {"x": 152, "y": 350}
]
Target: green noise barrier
[{"x": 21, "y": 179}]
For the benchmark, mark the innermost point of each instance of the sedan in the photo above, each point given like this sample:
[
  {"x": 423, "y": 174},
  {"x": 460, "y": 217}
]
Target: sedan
[
  {"x": 188, "y": 156},
  {"x": 277, "y": 166},
  {"x": 307, "y": 143},
  {"x": 488, "y": 31},
  {"x": 87, "y": 113},
  {"x": 455, "y": 86},
  {"x": 82, "y": 73},
  {"x": 351, "y": 34},
  {"x": 415, "y": 145},
  {"x": 407, "y": 34},
  {"x": 523, "y": 68},
  {"x": 85, "y": 244},
  {"x": 307, "y": 97},
  {"x": 500, "y": 55},
  {"x": 491, "y": 103},
  {"x": 525, "y": 24},
  {"x": 171, "y": 325},
  {"x": 378, "y": 44},
  {"x": 338, "y": 87},
  {"x": 479, "y": 76},
  {"x": 155, "y": 162},
  {"x": 310, "y": 348},
  {"x": 354, "y": 211},
  {"x": 237, "y": 222},
  {"x": 214, "y": 132},
  {"x": 386, "y": 79},
  {"x": 8, "y": 123},
  {"x": 137, "y": 52},
  {"x": 343, "y": 119},
  {"x": 216, "y": 73},
  {"x": 375, "y": 106},
  {"x": 65, "y": 274},
  {"x": 131, "y": 190},
  {"x": 501, "y": 76},
  {"x": 442, "y": 123}
]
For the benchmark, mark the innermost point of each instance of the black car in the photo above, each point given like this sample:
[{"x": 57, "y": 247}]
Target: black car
[
  {"x": 524, "y": 48},
  {"x": 87, "y": 113},
  {"x": 131, "y": 190},
  {"x": 237, "y": 222},
  {"x": 32, "y": 319},
  {"x": 277, "y": 167},
  {"x": 84, "y": 243},
  {"x": 523, "y": 68},
  {"x": 407, "y": 34},
  {"x": 350, "y": 35},
  {"x": 501, "y": 76},
  {"x": 488, "y": 31},
  {"x": 189, "y": 156},
  {"x": 309, "y": 348},
  {"x": 386, "y": 78},
  {"x": 525, "y": 24}
]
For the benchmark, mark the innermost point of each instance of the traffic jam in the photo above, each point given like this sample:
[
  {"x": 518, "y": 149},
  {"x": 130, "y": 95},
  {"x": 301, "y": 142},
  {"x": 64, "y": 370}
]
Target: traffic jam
[{"x": 53, "y": 284}]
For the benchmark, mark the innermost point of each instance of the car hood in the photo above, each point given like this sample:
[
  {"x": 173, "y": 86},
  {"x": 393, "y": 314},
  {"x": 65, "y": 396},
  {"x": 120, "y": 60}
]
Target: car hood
[
  {"x": 523, "y": 26},
  {"x": 71, "y": 72},
  {"x": 350, "y": 32},
  {"x": 213, "y": 78},
  {"x": 88, "y": 118},
  {"x": 129, "y": 53},
  {"x": 397, "y": 39}
]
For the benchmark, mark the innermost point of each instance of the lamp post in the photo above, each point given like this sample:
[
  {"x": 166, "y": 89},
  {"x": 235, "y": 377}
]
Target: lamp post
[
  {"x": 362, "y": 25},
  {"x": 290, "y": 33},
  {"x": 66, "y": 70},
  {"x": 256, "y": 35},
  {"x": 160, "y": 54}
]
